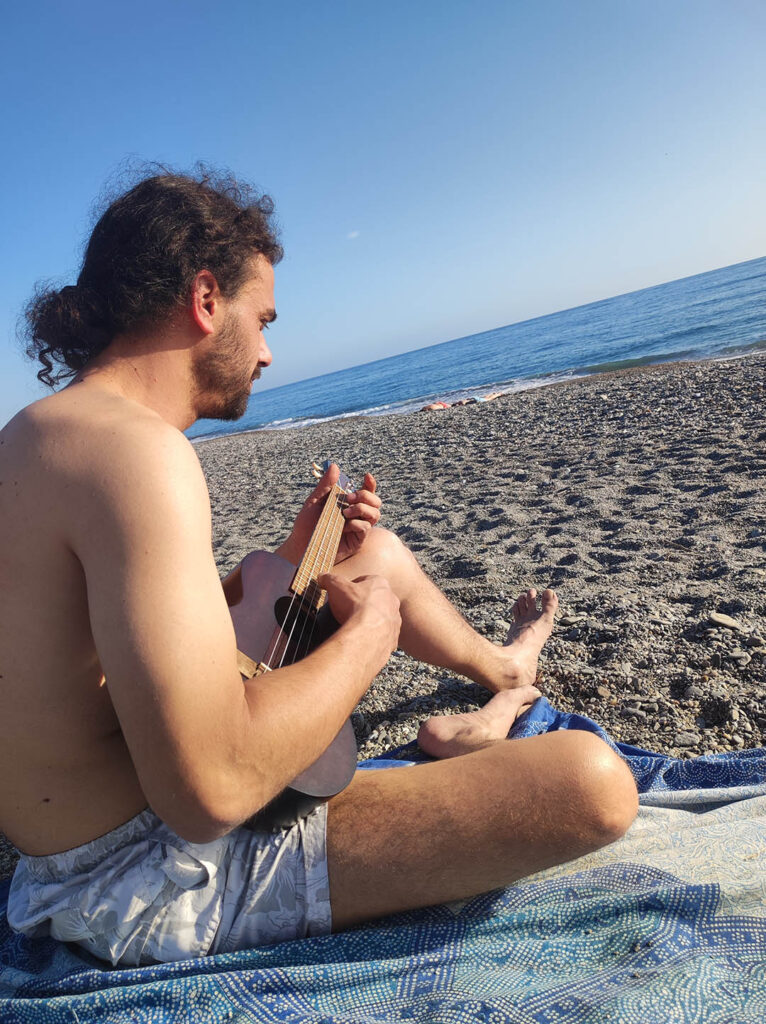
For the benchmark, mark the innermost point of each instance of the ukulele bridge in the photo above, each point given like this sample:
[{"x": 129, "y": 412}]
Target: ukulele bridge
[{"x": 249, "y": 668}]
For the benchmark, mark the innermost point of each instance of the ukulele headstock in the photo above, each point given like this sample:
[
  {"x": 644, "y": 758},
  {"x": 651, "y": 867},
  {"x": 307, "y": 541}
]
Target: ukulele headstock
[{"x": 343, "y": 481}]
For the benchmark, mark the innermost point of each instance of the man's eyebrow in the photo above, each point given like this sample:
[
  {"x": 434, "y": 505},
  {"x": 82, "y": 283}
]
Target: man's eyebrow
[{"x": 269, "y": 316}]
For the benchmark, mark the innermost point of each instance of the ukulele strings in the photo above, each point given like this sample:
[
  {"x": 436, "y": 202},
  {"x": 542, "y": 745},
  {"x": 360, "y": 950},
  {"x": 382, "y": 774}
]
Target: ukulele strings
[
  {"x": 330, "y": 527},
  {"x": 304, "y": 602},
  {"x": 333, "y": 524},
  {"x": 280, "y": 631}
]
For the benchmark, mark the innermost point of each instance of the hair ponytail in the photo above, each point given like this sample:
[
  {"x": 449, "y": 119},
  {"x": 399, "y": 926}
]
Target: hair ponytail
[{"x": 66, "y": 325}]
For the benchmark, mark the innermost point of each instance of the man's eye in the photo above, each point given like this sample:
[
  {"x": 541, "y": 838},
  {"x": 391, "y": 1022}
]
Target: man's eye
[{"x": 265, "y": 325}]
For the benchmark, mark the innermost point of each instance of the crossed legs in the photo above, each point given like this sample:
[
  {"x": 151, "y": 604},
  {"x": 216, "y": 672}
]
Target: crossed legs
[{"x": 490, "y": 811}]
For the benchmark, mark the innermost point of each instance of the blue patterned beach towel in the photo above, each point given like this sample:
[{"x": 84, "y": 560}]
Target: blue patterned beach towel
[{"x": 667, "y": 925}]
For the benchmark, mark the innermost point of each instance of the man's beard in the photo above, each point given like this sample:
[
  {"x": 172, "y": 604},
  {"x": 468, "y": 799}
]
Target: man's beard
[{"x": 221, "y": 377}]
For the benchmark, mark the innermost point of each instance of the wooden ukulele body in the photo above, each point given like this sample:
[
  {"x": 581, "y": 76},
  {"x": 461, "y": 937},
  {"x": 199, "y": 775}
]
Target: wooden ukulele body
[{"x": 258, "y": 616}]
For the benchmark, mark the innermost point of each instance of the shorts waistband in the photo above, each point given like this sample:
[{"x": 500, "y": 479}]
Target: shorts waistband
[{"x": 57, "y": 867}]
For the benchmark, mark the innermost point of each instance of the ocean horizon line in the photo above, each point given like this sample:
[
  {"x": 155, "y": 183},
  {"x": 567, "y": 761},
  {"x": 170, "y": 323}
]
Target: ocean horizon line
[{"x": 513, "y": 323}]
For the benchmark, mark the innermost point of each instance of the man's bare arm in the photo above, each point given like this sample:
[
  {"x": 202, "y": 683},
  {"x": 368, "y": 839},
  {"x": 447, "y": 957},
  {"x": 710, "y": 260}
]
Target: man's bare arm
[{"x": 208, "y": 749}]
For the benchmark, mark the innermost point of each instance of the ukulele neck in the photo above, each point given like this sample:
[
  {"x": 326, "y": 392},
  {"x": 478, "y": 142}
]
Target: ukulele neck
[{"x": 322, "y": 550}]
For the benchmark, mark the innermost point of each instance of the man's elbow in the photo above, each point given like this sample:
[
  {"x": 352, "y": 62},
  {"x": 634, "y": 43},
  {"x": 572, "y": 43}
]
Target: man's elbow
[{"x": 204, "y": 816}]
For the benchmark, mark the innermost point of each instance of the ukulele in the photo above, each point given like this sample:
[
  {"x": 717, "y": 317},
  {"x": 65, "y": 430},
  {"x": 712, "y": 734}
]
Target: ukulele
[{"x": 280, "y": 615}]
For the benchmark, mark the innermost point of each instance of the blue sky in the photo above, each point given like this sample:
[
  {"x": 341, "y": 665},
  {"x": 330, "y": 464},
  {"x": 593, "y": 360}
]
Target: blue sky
[{"x": 439, "y": 167}]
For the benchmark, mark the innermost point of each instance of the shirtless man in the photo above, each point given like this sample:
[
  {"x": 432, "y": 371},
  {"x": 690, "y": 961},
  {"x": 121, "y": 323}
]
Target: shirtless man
[{"x": 119, "y": 686}]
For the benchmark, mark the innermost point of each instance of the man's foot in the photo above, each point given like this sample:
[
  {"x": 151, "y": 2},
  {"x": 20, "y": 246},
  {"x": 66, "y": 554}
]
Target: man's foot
[
  {"x": 516, "y": 660},
  {"x": 515, "y": 672},
  {"x": 452, "y": 735}
]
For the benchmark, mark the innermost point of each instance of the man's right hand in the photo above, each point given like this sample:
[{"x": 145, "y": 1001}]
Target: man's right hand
[{"x": 371, "y": 601}]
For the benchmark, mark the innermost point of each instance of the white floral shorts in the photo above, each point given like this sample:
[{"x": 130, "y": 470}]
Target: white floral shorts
[{"x": 141, "y": 894}]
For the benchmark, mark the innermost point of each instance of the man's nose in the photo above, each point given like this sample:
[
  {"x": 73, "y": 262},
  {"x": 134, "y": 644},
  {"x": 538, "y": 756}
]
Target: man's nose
[{"x": 264, "y": 354}]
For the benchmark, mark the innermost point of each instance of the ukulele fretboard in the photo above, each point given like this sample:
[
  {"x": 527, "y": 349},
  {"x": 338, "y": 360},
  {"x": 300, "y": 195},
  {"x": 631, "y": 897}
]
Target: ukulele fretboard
[{"x": 322, "y": 549}]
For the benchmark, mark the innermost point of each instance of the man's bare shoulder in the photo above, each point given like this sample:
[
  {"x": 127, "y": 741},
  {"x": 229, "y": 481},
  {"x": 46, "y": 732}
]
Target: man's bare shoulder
[
  {"x": 79, "y": 451},
  {"x": 91, "y": 420},
  {"x": 90, "y": 433}
]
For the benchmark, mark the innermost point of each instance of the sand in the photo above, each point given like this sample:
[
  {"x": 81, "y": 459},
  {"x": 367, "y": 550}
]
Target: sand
[{"x": 639, "y": 496}]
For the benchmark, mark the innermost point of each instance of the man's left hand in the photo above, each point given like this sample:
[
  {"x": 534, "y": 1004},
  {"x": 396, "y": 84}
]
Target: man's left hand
[{"x": 361, "y": 514}]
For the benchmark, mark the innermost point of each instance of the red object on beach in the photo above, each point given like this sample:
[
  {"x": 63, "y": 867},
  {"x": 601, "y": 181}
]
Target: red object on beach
[{"x": 434, "y": 405}]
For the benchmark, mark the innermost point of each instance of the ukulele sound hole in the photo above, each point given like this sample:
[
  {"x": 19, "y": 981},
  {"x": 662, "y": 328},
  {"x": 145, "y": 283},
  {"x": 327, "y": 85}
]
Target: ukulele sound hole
[
  {"x": 294, "y": 620},
  {"x": 303, "y": 629}
]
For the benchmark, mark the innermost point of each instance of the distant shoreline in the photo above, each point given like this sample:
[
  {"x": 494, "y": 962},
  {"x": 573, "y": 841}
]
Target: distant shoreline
[{"x": 457, "y": 397}]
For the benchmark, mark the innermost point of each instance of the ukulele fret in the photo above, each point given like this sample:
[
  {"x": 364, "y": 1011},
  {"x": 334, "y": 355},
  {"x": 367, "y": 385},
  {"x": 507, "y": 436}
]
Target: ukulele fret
[{"x": 321, "y": 551}]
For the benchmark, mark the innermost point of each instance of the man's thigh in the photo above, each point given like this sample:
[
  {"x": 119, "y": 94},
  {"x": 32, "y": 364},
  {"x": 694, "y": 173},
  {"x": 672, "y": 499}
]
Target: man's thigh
[{"x": 415, "y": 836}]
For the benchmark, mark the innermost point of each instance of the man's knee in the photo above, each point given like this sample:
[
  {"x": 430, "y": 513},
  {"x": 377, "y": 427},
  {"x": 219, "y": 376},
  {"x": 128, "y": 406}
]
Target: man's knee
[
  {"x": 607, "y": 791},
  {"x": 386, "y": 548}
]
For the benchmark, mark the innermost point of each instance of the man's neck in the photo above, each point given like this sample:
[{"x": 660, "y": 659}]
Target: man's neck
[{"x": 160, "y": 379}]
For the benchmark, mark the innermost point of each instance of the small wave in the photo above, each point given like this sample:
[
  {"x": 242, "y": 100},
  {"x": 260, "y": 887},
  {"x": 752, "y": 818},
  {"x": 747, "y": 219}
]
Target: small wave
[
  {"x": 631, "y": 363},
  {"x": 732, "y": 351},
  {"x": 679, "y": 355}
]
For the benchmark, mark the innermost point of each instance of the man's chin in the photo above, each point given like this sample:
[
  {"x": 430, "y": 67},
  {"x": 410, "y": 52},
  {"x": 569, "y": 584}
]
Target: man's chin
[{"x": 234, "y": 409}]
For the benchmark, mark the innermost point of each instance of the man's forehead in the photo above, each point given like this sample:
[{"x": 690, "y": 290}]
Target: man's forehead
[
  {"x": 263, "y": 269},
  {"x": 261, "y": 279}
]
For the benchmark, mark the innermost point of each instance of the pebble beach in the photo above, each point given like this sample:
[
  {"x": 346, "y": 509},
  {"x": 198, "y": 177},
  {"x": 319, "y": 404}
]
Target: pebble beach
[{"x": 639, "y": 496}]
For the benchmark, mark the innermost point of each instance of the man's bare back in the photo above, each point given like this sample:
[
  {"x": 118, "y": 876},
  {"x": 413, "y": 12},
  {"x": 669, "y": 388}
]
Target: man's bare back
[{"x": 66, "y": 774}]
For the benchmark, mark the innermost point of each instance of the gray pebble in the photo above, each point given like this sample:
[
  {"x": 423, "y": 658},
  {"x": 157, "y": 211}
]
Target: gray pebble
[
  {"x": 685, "y": 739},
  {"x": 632, "y": 713},
  {"x": 726, "y": 621}
]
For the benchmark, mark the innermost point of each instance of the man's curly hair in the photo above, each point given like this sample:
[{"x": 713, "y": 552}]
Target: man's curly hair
[{"x": 141, "y": 260}]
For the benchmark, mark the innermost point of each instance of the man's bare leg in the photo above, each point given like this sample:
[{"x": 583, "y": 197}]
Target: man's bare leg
[
  {"x": 434, "y": 631},
  {"x": 411, "y": 837},
  {"x": 492, "y": 811}
]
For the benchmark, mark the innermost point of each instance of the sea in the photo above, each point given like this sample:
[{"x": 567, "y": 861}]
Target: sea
[{"x": 720, "y": 314}]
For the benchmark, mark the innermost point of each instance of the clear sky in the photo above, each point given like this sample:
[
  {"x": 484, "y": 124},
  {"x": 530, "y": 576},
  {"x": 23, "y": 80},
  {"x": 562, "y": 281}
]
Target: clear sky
[{"x": 440, "y": 167}]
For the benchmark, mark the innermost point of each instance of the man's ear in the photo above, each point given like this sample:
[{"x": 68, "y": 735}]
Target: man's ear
[{"x": 205, "y": 301}]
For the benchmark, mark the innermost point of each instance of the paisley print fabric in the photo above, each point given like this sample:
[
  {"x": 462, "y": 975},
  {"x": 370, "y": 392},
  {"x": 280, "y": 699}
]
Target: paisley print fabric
[{"x": 666, "y": 925}]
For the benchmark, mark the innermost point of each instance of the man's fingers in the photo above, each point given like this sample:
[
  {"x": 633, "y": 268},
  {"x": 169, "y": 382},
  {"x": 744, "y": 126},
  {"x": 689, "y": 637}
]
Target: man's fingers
[
  {"x": 365, "y": 497},
  {"x": 336, "y": 580},
  {"x": 367, "y": 513},
  {"x": 330, "y": 580},
  {"x": 357, "y": 526},
  {"x": 324, "y": 485}
]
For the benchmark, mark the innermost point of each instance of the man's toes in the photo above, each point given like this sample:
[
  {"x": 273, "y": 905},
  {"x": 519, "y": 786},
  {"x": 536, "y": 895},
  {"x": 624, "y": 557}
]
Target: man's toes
[
  {"x": 526, "y": 695},
  {"x": 517, "y": 609},
  {"x": 550, "y": 602}
]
